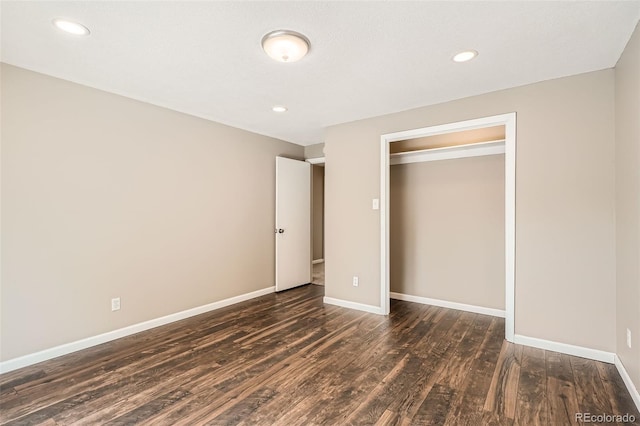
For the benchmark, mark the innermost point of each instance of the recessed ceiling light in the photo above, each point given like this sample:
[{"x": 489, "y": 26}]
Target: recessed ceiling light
[
  {"x": 285, "y": 45},
  {"x": 71, "y": 27},
  {"x": 279, "y": 108},
  {"x": 465, "y": 56}
]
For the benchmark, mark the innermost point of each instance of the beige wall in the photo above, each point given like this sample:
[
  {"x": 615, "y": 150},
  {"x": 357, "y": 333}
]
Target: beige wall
[
  {"x": 318, "y": 212},
  {"x": 314, "y": 151},
  {"x": 565, "y": 231},
  {"x": 447, "y": 230},
  {"x": 104, "y": 196},
  {"x": 628, "y": 205}
]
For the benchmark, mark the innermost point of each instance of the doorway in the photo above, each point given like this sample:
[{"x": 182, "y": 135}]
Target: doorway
[
  {"x": 509, "y": 146},
  {"x": 317, "y": 223}
]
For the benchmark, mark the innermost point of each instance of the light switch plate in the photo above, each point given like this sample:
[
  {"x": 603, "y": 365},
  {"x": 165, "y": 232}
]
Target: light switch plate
[{"x": 115, "y": 304}]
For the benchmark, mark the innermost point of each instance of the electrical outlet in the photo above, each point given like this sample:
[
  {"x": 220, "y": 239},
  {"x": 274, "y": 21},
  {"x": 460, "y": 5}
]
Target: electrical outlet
[
  {"x": 115, "y": 304},
  {"x": 356, "y": 281},
  {"x": 629, "y": 338}
]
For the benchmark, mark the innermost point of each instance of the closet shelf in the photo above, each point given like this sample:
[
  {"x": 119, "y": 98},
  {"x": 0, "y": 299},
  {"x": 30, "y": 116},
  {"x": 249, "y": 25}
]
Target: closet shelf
[{"x": 448, "y": 152}]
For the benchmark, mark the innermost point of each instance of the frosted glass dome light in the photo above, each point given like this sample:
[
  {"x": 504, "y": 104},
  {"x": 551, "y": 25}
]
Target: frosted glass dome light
[{"x": 285, "y": 45}]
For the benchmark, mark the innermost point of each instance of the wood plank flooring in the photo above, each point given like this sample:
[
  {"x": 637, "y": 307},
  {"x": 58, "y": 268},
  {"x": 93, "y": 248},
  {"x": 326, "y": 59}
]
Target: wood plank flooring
[
  {"x": 287, "y": 359},
  {"x": 317, "y": 273}
]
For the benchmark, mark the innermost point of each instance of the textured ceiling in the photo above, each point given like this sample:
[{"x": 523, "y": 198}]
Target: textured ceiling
[{"x": 366, "y": 58}]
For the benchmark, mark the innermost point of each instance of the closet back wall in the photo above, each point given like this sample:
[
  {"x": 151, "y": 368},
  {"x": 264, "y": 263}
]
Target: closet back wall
[{"x": 447, "y": 230}]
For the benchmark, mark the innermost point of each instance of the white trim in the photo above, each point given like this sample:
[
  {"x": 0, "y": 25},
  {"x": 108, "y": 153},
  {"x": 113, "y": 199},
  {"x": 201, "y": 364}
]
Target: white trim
[
  {"x": 509, "y": 121},
  {"x": 477, "y": 123},
  {"x": 635, "y": 395},
  {"x": 510, "y": 225},
  {"x": 275, "y": 226},
  {"x": 319, "y": 160},
  {"x": 451, "y": 305},
  {"x": 565, "y": 348},
  {"x": 385, "y": 258},
  {"x": 448, "y": 153},
  {"x": 67, "y": 348},
  {"x": 352, "y": 305},
  {"x": 315, "y": 262}
]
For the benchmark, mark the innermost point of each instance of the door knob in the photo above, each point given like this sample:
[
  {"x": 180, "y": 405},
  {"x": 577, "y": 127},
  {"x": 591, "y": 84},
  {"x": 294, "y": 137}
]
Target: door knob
[{"x": 280, "y": 231}]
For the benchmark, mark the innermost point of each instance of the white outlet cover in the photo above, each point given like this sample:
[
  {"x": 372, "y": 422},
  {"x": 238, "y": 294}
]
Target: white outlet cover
[{"x": 375, "y": 204}]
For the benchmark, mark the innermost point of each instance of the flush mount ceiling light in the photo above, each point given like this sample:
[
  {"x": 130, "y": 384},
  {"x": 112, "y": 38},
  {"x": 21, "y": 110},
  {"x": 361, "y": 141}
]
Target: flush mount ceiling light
[
  {"x": 285, "y": 45},
  {"x": 465, "y": 56},
  {"x": 279, "y": 108},
  {"x": 71, "y": 27}
]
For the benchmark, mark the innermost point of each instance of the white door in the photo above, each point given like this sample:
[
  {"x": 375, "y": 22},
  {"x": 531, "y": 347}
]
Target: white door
[{"x": 293, "y": 223}]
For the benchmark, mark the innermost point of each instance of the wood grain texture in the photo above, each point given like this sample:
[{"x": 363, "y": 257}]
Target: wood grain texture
[
  {"x": 500, "y": 404},
  {"x": 561, "y": 389},
  {"x": 287, "y": 359},
  {"x": 531, "y": 402}
]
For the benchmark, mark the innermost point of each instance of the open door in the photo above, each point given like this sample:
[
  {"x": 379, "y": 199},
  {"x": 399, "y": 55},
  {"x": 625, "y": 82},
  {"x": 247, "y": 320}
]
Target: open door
[{"x": 293, "y": 223}]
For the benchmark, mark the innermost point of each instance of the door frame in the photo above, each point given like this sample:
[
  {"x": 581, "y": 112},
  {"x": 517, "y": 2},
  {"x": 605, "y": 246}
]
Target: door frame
[{"x": 509, "y": 121}]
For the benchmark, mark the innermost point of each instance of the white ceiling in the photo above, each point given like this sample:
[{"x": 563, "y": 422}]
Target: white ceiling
[{"x": 366, "y": 58}]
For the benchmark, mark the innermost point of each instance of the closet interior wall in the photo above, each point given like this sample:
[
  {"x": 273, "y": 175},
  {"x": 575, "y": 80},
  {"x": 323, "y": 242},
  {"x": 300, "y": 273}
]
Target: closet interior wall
[{"x": 447, "y": 222}]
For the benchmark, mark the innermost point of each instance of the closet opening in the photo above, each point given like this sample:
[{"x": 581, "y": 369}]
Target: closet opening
[{"x": 447, "y": 201}]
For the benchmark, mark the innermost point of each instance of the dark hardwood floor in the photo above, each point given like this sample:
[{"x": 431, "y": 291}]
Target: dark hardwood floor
[{"x": 287, "y": 359}]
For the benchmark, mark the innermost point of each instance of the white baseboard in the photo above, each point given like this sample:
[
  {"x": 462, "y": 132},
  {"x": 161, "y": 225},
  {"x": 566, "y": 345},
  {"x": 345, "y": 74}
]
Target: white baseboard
[
  {"x": 353, "y": 305},
  {"x": 317, "y": 261},
  {"x": 635, "y": 395},
  {"x": 451, "y": 305},
  {"x": 565, "y": 348},
  {"x": 67, "y": 348}
]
